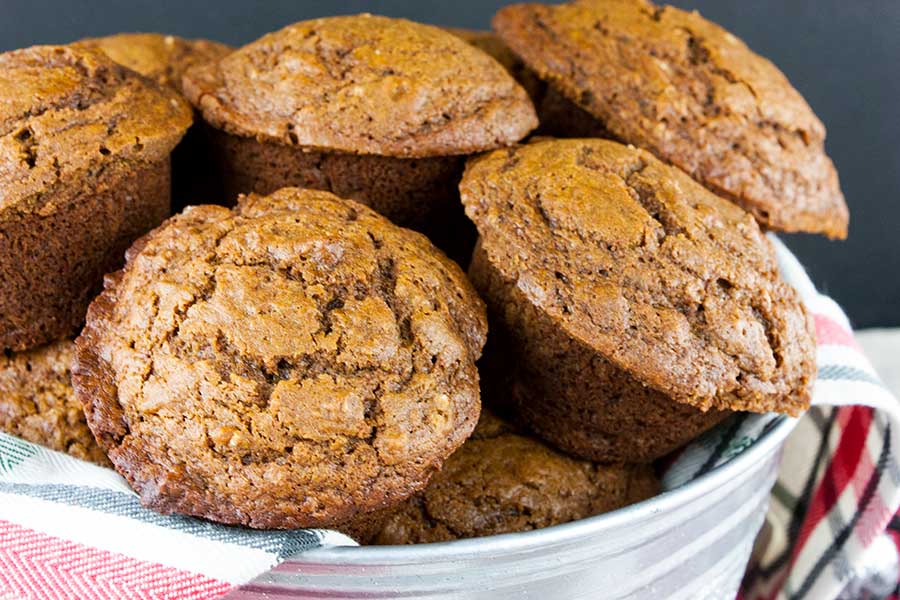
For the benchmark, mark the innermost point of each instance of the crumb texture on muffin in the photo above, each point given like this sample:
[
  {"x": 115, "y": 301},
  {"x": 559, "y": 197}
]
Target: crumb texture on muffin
[
  {"x": 163, "y": 58},
  {"x": 668, "y": 282},
  {"x": 65, "y": 111},
  {"x": 364, "y": 84},
  {"x": 502, "y": 481},
  {"x": 290, "y": 363},
  {"x": 693, "y": 94},
  {"x": 38, "y": 404}
]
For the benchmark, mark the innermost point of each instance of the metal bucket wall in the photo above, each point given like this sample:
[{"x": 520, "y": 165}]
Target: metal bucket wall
[{"x": 691, "y": 543}]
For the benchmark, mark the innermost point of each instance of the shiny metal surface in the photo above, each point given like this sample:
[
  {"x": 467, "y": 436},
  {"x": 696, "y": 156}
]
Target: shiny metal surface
[{"x": 690, "y": 543}]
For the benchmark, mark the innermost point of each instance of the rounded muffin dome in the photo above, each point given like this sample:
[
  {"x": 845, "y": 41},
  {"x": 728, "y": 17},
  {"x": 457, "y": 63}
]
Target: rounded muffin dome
[
  {"x": 668, "y": 282},
  {"x": 66, "y": 110},
  {"x": 684, "y": 88},
  {"x": 293, "y": 362},
  {"x": 364, "y": 84}
]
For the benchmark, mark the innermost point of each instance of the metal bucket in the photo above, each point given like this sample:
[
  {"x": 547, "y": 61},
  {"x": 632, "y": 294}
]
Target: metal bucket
[{"x": 690, "y": 543}]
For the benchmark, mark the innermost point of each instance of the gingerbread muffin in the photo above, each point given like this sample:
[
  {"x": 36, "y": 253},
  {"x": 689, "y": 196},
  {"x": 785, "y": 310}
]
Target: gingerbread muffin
[
  {"x": 557, "y": 116},
  {"x": 38, "y": 404},
  {"x": 636, "y": 307},
  {"x": 298, "y": 361},
  {"x": 371, "y": 108},
  {"x": 691, "y": 93},
  {"x": 502, "y": 481},
  {"x": 165, "y": 58},
  {"x": 84, "y": 170}
]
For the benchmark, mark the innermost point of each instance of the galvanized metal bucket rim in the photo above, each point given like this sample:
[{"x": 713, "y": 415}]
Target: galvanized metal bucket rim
[{"x": 768, "y": 443}]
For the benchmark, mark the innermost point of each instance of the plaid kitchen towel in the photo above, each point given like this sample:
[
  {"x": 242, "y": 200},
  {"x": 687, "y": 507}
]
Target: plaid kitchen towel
[
  {"x": 839, "y": 481},
  {"x": 69, "y": 529}
]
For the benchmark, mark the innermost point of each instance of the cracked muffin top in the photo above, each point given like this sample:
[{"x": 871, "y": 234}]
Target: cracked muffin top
[
  {"x": 633, "y": 258},
  {"x": 501, "y": 481},
  {"x": 693, "y": 94},
  {"x": 65, "y": 111},
  {"x": 364, "y": 84},
  {"x": 163, "y": 58},
  {"x": 289, "y": 363},
  {"x": 37, "y": 401}
]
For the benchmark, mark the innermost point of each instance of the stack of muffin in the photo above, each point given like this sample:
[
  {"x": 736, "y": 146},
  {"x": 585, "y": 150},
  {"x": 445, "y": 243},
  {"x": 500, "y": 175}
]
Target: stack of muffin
[{"x": 297, "y": 345}]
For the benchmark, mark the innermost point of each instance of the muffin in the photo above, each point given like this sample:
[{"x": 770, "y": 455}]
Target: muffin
[
  {"x": 501, "y": 481},
  {"x": 636, "y": 307},
  {"x": 692, "y": 94},
  {"x": 165, "y": 58},
  {"x": 557, "y": 116},
  {"x": 298, "y": 361},
  {"x": 375, "y": 109},
  {"x": 38, "y": 404},
  {"x": 84, "y": 170}
]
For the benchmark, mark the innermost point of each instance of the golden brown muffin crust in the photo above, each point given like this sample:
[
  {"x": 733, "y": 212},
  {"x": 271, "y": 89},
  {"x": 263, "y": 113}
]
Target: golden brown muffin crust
[
  {"x": 693, "y": 94},
  {"x": 364, "y": 84},
  {"x": 38, "y": 404},
  {"x": 291, "y": 363},
  {"x": 501, "y": 481},
  {"x": 66, "y": 111},
  {"x": 163, "y": 58},
  {"x": 667, "y": 281}
]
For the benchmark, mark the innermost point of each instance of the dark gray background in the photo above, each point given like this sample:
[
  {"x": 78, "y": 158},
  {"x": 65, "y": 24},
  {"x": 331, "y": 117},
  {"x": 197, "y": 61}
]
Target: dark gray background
[{"x": 843, "y": 55}]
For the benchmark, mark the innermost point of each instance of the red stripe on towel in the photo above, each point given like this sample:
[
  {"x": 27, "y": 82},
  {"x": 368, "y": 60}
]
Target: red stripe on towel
[
  {"x": 830, "y": 332},
  {"x": 36, "y": 565},
  {"x": 843, "y": 468}
]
